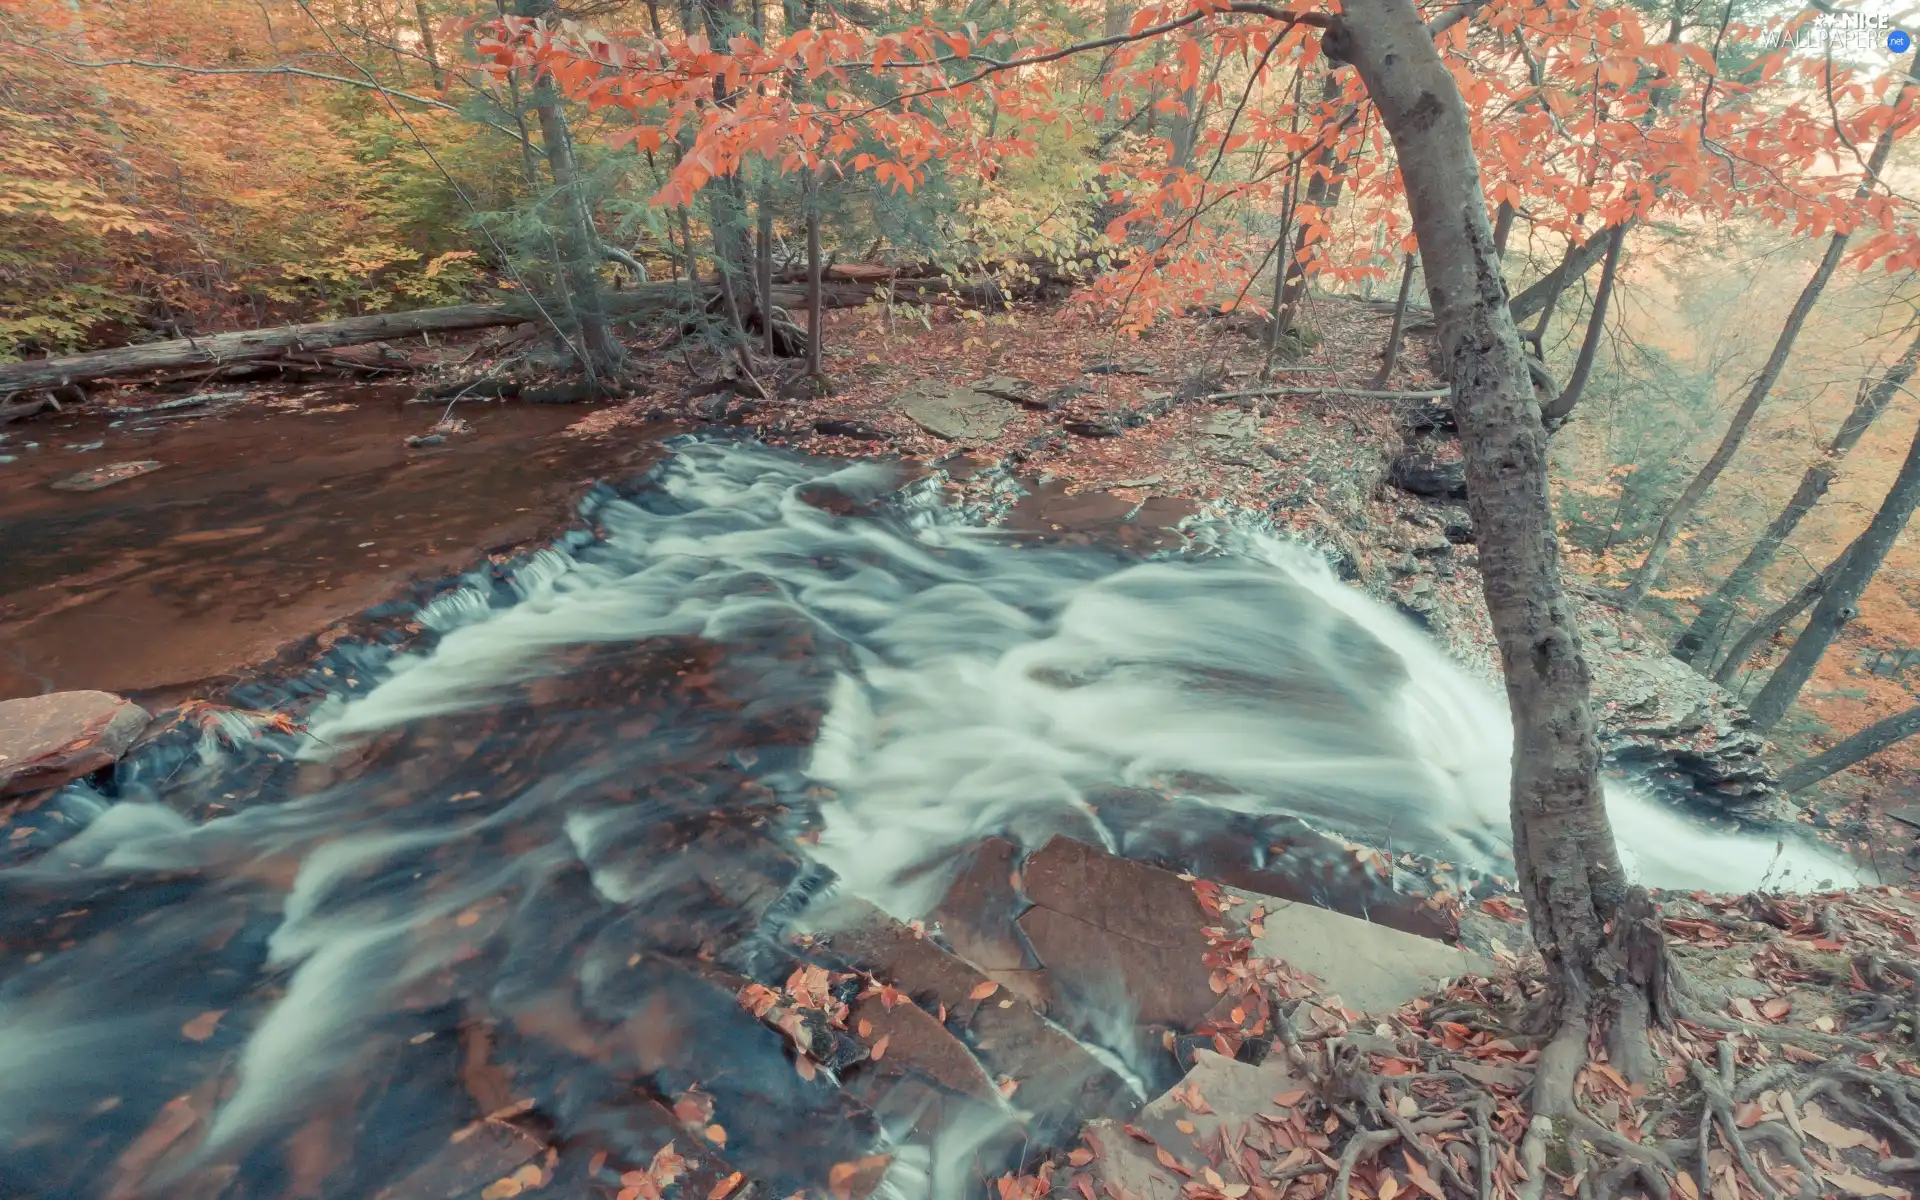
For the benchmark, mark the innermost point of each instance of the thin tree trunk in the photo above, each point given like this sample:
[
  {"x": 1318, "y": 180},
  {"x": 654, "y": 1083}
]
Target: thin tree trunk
[
  {"x": 1783, "y": 346},
  {"x": 1773, "y": 622},
  {"x": 724, "y": 266},
  {"x": 1561, "y": 408},
  {"x": 428, "y": 48},
  {"x": 816, "y": 319},
  {"x": 1569, "y": 867},
  {"x": 1712, "y": 618},
  {"x": 1865, "y": 744},
  {"x": 1579, "y": 259},
  {"x": 1390, "y": 358},
  {"x": 1324, "y": 185},
  {"x": 1502, "y": 227},
  {"x": 1280, "y": 268},
  {"x": 602, "y": 355},
  {"x": 763, "y": 264},
  {"x": 1704, "y": 479},
  {"x": 1838, "y": 605}
]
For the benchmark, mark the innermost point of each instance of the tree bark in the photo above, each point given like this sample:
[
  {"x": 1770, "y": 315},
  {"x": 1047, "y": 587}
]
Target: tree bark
[
  {"x": 1783, "y": 346},
  {"x": 254, "y": 345},
  {"x": 1865, "y": 744},
  {"x": 1561, "y": 408},
  {"x": 1502, "y": 227},
  {"x": 1702, "y": 636},
  {"x": 1390, "y": 357},
  {"x": 1569, "y": 867},
  {"x": 1704, "y": 479},
  {"x": 1579, "y": 258},
  {"x": 1837, "y": 606},
  {"x": 428, "y": 48},
  {"x": 816, "y": 320},
  {"x": 763, "y": 267},
  {"x": 223, "y": 349},
  {"x": 1324, "y": 184},
  {"x": 602, "y": 355},
  {"x": 1282, "y": 262},
  {"x": 1771, "y": 624}
]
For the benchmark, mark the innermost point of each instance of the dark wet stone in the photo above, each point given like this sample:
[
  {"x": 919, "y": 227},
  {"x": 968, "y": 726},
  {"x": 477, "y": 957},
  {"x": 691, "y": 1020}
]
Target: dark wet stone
[
  {"x": 858, "y": 430},
  {"x": 1273, "y": 855},
  {"x": 1051, "y": 1074},
  {"x": 1104, "y": 926},
  {"x": 46, "y": 741},
  {"x": 977, "y": 916},
  {"x": 1428, "y": 477},
  {"x": 469, "y": 1161}
]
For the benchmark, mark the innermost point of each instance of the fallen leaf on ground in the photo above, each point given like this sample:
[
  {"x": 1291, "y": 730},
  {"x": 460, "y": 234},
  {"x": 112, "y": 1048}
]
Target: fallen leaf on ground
[
  {"x": 1860, "y": 1185},
  {"x": 982, "y": 991},
  {"x": 725, "y": 1187},
  {"x": 1834, "y": 1134},
  {"x": 201, "y": 1027}
]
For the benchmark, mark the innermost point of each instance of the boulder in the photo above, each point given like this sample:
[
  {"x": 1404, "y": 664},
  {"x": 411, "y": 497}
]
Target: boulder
[
  {"x": 1684, "y": 735},
  {"x": 1429, "y": 477},
  {"x": 954, "y": 413},
  {"x": 49, "y": 740}
]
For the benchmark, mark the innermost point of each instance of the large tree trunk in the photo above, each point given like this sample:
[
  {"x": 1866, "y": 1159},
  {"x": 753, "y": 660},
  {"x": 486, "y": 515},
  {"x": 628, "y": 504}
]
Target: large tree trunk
[
  {"x": 1703, "y": 636},
  {"x": 1865, "y": 744},
  {"x": 1569, "y": 867},
  {"x": 1838, "y": 605}
]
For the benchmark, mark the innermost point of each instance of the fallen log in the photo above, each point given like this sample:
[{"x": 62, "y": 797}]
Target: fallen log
[
  {"x": 222, "y": 349},
  {"x": 309, "y": 342}
]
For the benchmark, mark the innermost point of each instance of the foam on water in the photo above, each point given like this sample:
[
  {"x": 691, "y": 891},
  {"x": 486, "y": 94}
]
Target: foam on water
[
  {"x": 991, "y": 684},
  {"x": 982, "y": 686}
]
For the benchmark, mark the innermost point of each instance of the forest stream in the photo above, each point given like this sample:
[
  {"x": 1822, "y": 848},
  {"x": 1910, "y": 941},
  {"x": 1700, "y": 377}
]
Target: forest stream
[{"x": 530, "y": 847}]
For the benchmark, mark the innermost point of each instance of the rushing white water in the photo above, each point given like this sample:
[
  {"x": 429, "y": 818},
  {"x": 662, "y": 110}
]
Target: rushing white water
[
  {"x": 977, "y": 686},
  {"x": 990, "y": 684}
]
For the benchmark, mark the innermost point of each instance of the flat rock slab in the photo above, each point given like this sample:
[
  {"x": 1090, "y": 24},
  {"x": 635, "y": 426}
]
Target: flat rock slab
[
  {"x": 978, "y": 917},
  {"x": 1036, "y": 1065},
  {"x": 1013, "y": 391},
  {"x": 94, "y": 478},
  {"x": 958, "y": 414},
  {"x": 473, "y": 1159},
  {"x": 1109, "y": 928},
  {"x": 49, "y": 740},
  {"x": 1369, "y": 967}
]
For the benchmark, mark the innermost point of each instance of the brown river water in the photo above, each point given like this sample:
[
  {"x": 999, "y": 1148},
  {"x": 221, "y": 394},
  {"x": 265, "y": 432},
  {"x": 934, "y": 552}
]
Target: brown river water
[{"x": 552, "y": 810}]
